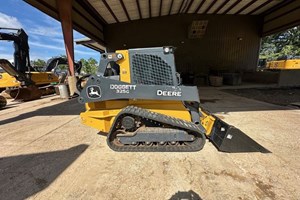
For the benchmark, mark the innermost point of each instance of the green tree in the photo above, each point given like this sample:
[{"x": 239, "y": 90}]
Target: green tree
[
  {"x": 39, "y": 63},
  {"x": 89, "y": 66},
  {"x": 63, "y": 67},
  {"x": 286, "y": 43}
]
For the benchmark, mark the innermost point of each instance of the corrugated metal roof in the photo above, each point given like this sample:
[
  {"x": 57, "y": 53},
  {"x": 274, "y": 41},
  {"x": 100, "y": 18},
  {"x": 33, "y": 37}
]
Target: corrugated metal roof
[
  {"x": 91, "y": 16},
  {"x": 112, "y": 11}
]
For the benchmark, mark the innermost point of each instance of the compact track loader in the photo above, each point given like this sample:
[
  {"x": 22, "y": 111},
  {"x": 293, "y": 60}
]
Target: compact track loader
[{"x": 136, "y": 98}]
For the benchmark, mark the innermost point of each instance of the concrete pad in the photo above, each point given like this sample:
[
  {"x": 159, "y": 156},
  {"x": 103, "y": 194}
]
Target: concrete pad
[{"x": 45, "y": 153}]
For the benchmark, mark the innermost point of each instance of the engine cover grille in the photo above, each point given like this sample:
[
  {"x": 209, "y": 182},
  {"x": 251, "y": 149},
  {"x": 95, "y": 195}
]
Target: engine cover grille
[{"x": 151, "y": 70}]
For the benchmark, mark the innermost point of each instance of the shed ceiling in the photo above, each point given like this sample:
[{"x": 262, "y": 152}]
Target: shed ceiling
[
  {"x": 115, "y": 11},
  {"x": 90, "y": 17}
]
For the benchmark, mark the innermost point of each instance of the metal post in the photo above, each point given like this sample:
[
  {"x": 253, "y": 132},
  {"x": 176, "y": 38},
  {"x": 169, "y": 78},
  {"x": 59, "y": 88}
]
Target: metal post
[{"x": 65, "y": 15}]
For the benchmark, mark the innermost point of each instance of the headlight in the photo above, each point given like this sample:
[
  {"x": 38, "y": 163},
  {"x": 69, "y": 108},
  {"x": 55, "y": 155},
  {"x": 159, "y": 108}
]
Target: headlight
[{"x": 166, "y": 49}]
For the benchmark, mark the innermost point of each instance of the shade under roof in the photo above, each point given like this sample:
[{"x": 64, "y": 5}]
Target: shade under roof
[
  {"x": 90, "y": 17},
  {"x": 114, "y": 11}
]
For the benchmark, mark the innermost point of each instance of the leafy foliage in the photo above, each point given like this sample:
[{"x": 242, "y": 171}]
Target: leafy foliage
[
  {"x": 62, "y": 67},
  {"x": 89, "y": 66},
  {"x": 285, "y": 43},
  {"x": 39, "y": 63}
]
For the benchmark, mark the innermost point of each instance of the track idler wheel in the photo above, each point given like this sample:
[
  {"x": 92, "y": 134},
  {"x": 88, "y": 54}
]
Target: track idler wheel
[{"x": 29, "y": 93}]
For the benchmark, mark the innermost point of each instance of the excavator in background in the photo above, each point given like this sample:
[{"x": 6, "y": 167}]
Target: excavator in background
[
  {"x": 22, "y": 81},
  {"x": 136, "y": 98}
]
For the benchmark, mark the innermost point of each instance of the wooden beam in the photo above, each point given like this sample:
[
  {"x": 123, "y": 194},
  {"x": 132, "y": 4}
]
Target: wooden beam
[
  {"x": 282, "y": 14},
  {"x": 95, "y": 49},
  {"x": 86, "y": 5},
  {"x": 245, "y": 7},
  {"x": 87, "y": 19},
  {"x": 210, "y": 6},
  {"x": 171, "y": 6},
  {"x": 90, "y": 34},
  {"x": 180, "y": 6},
  {"x": 149, "y": 4},
  {"x": 110, "y": 10},
  {"x": 124, "y": 9},
  {"x": 160, "y": 7},
  {"x": 221, "y": 6},
  {"x": 184, "y": 6},
  {"x": 232, "y": 6},
  {"x": 259, "y": 7},
  {"x": 50, "y": 7},
  {"x": 282, "y": 27},
  {"x": 78, "y": 27},
  {"x": 199, "y": 6},
  {"x": 189, "y": 6},
  {"x": 139, "y": 8},
  {"x": 278, "y": 6}
]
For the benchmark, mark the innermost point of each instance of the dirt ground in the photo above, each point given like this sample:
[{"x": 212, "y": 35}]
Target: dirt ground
[
  {"x": 46, "y": 153},
  {"x": 279, "y": 96}
]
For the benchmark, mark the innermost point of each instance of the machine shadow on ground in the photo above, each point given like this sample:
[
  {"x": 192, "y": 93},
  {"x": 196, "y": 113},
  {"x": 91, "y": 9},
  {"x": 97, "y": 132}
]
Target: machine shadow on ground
[
  {"x": 190, "y": 195},
  {"x": 71, "y": 107},
  {"x": 8, "y": 107},
  {"x": 25, "y": 175}
]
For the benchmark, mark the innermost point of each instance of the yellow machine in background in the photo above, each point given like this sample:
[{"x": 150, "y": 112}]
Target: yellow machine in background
[
  {"x": 285, "y": 64},
  {"x": 39, "y": 78},
  {"x": 25, "y": 86},
  {"x": 22, "y": 81},
  {"x": 7, "y": 80},
  {"x": 137, "y": 99}
]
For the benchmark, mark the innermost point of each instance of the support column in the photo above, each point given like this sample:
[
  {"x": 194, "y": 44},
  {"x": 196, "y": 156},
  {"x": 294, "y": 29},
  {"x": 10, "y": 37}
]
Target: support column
[{"x": 65, "y": 15}]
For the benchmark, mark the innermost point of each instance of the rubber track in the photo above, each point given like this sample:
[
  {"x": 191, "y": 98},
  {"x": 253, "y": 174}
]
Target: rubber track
[{"x": 197, "y": 130}]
